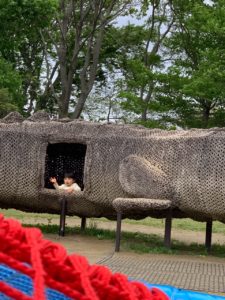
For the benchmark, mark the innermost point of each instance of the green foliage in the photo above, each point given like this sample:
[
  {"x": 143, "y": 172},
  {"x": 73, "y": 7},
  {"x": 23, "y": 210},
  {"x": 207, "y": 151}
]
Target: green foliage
[
  {"x": 10, "y": 79},
  {"x": 21, "y": 43},
  {"x": 199, "y": 64},
  {"x": 6, "y": 104},
  {"x": 141, "y": 65},
  {"x": 189, "y": 90},
  {"x": 11, "y": 98},
  {"x": 21, "y": 21},
  {"x": 165, "y": 81}
]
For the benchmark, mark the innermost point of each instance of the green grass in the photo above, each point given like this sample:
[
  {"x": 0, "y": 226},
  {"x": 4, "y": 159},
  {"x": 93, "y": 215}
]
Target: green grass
[
  {"x": 20, "y": 215},
  {"x": 139, "y": 242},
  {"x": 101, "y": 234},
  {"x": 184, "y": 224}
]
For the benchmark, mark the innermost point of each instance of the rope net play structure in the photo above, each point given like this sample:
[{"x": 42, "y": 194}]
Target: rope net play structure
[
  {"x": 112, "y": 161},
  {"x": 32, "y": 268}
]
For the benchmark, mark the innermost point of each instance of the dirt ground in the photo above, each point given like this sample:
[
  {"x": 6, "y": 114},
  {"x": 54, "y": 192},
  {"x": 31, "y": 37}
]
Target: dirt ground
[
  {"x": 93, "y": 249},
  {"x": 96, "y": 250}
]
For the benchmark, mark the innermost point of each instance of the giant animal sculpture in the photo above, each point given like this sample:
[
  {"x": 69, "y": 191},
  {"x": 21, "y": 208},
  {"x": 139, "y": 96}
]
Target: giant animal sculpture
[{"x": 145, "y": 172}]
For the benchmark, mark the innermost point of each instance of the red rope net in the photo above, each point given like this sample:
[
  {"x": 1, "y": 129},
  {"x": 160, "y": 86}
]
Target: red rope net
[{"x": 49, "y": 266}]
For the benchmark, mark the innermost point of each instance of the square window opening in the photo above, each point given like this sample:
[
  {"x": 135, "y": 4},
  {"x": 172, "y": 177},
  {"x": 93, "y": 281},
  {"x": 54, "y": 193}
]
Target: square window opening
[{"x": 64, "y": 158}]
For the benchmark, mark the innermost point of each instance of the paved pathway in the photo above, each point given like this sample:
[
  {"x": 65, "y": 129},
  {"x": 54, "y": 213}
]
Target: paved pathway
[
  {"x": 192, "y": 273},
  {"x": 188, "y": 272}
]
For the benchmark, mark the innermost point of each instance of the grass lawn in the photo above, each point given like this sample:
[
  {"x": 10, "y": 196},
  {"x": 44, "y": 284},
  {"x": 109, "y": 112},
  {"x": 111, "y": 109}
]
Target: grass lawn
[
  {"x": 138, "y": 242},
  {"x": 184, "y": 224}
]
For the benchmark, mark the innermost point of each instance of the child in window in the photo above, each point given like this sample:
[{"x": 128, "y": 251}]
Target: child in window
[{"x": 69, "y": 183}]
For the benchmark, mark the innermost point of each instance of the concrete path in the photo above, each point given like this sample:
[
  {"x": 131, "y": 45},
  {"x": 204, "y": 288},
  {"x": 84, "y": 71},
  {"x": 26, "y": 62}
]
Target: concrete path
[
  {"x": 206, "y": 274},
  {"x": 191, "y": 273}
]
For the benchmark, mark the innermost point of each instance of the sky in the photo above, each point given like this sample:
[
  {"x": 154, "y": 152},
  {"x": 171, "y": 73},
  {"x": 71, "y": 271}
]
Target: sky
[{"x": 125, "y": 20}]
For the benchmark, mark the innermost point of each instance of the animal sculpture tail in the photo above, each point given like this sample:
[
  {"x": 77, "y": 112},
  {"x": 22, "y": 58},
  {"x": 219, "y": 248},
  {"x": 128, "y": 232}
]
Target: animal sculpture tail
[{"x": 32, "y": 268}]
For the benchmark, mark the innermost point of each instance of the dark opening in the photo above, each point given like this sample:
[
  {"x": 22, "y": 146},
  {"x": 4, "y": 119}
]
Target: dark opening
[{"x": 63, "y": 158}]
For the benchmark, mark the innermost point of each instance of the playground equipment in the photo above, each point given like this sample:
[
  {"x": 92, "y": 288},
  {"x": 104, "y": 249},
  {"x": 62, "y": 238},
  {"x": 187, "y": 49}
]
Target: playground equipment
[{"x": 124, "y": 171}]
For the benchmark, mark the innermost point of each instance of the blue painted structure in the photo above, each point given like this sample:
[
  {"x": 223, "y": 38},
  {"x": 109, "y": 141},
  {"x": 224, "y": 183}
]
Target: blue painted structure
[
  {"x": 24, "y": 283},
  {"x": 180, "y": 294}
]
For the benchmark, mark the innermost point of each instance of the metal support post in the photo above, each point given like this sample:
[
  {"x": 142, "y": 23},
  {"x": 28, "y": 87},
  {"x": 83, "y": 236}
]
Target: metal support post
[{"x": 118, "y": 231}]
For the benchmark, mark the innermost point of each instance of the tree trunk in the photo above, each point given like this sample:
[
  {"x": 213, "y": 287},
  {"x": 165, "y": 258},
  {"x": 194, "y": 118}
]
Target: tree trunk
[
  {"x": 66, "y": 78},
  {"x": 88, "y": 77},
  {"x": 205, "y": 116},
  {"x": 80, "y": 105},
  {"x": 144, "y": 115},
  {"x": 86, "y": 20},
  {"x": 64, "y": 100}
]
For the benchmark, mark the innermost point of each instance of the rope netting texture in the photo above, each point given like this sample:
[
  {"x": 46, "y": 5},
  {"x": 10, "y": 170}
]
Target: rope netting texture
[
  {"x": 62, "y": 158},
  {"x": 119, "y": 161},
  {"x": 33, "y": 268}
]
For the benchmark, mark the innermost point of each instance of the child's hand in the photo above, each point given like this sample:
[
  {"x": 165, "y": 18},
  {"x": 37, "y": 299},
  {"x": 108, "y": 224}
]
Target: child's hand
[
  {"x": 70, "y": 190},
  {"x": 53, "y": 180}
]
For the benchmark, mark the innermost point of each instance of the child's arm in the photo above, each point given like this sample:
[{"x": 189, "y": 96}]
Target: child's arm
[{"x": 54, "y": 182}]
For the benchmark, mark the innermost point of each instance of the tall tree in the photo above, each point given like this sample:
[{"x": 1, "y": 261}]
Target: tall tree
[
  {"x": 11, "y": 97},
  {"x": 198, "y": 64},
  {"x": 140, "y": 65},
  {"x": 21, "y": 43},
  {"x": 77, "y": 34}
]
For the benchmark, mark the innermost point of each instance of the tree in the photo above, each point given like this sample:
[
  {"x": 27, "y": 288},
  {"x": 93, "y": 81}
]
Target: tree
[
  {"x": 21, "y": 43},
  {"x": 183, "y": 84},
  {"x": 11, "y": 97},
  {"x": 6, "y": 104},
  {"x": 140, "y": 64},
  {"x": 79, "y": 29},
  {"x": 103, "y": 104},
  {"x": 198, "y": 64}
]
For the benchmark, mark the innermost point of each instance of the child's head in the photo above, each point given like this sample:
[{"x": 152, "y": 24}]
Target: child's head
[{"x": 69, "y": 179}]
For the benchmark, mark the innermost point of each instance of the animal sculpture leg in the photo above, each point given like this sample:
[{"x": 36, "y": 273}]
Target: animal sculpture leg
[
  {"x": 83, "y": 223},
  {"x": 208, "y": 236},
  {"x": 62, "y": 216},
  {"x": 118, "y": 231},
  {"x": 168, "y": 226}
]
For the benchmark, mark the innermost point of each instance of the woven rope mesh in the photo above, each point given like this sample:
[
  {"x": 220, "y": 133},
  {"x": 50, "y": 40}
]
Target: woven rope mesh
[
  {"x": 62, "y": 158},
  {"x": 186, "y": 167}
]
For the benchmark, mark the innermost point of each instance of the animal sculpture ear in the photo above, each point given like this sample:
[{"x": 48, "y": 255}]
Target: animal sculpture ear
[{"x": 140, "y": 178}]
